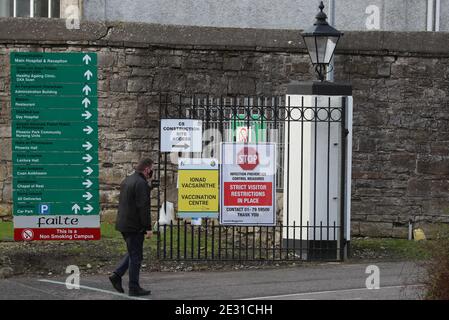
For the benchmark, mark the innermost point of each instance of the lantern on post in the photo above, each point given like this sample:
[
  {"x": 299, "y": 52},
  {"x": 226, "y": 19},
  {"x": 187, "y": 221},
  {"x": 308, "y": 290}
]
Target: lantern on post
[
  {"x": 320, "y": 149},
  {"x": 321, "y": 41}
]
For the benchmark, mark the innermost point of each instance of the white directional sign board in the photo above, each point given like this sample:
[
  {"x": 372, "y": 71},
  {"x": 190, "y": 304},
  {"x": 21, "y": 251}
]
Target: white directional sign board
[{"x": 181, "y": 135}]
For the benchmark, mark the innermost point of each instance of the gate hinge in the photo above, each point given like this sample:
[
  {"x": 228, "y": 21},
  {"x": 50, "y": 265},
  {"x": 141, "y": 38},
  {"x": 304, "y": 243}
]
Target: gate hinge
[{"x": 346, "y": 131}]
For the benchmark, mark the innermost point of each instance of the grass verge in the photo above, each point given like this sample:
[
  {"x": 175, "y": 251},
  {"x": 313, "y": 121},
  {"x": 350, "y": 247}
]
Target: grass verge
[{"x": 389, "y": 249}]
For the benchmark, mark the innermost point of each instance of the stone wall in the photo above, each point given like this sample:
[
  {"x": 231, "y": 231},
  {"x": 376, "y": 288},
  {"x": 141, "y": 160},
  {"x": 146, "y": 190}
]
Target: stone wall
[{"x": 401, "y": 118}]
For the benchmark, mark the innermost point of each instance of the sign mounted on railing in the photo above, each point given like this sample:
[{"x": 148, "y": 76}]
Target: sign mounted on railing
[
  {"x": 248, "y": 193},
  {"x": 198, "y": 188},
  {"x": 181, "y": 135}
]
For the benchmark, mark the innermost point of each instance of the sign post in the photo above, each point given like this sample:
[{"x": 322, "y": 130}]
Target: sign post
[
  {"x": 55, "y": 146},
  {"x": 248, "y": 176}
]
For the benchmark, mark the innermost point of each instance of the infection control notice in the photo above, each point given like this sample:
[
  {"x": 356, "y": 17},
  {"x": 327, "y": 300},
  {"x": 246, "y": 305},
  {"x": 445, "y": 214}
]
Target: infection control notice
[{"x": 248, "y": 177}]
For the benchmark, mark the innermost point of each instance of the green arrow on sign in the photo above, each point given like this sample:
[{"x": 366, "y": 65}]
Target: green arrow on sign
[
  {"x": 53, "y": 90},
  {"x": 53, "y": 130},
  {"x": 39, "y": 74},
  {"x": 73, "y": 115},
  {"x": 55, "y": 158},
  {"x": 53, "y": 102},
  {"x": 39, "y": 183},
  {"x": 40, "y": 145},
  {"x": 52, "y": 208},
  {"x": 88, "y": 170},
  {"x": 43, "y": 196},
  {"x": 54, "y": 59}
]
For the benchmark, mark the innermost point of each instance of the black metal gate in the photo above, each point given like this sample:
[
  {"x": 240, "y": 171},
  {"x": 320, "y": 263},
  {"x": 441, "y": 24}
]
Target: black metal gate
[{"x": 296, "y": 236}]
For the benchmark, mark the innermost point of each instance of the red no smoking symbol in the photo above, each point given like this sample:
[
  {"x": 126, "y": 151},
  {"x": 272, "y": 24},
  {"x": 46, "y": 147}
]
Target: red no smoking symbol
[{"x": 27, "y": 234}]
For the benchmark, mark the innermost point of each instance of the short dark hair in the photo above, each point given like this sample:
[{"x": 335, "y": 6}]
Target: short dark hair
[{"x": 143, "y": 164}]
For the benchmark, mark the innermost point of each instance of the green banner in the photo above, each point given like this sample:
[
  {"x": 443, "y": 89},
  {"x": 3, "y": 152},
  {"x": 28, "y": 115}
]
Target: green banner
[
  {"x": 52, "y": 102},
  {"x": 89, "y": 144},
  {"x": 52, "y": 208},
  {"x": 84, "y": 171},
  {"x": 43, "y": 196},
  {"x": 55, "y": 158},
  {"x": 62, "y": 183},
  {"x": 73, "y": 115},
  {"x": 59, "y": 59},
  {"x": 24, "y": 74}
]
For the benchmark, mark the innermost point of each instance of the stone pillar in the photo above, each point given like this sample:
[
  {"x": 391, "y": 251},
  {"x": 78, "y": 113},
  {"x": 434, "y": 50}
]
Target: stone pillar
[{"x": 316, "y": 168}]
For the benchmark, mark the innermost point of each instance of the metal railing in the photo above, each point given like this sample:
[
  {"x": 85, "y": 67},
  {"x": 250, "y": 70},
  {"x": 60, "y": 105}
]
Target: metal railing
[{"x": 295, "y": 236}]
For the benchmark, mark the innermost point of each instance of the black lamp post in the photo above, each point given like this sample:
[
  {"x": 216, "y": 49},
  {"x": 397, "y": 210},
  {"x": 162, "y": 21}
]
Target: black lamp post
[
  {"x": 321, "y": 40},
  {"x": 318, "y": 96}
]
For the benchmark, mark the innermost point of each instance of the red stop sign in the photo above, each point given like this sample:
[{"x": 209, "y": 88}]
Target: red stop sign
[{"x": 248, "y": 158}]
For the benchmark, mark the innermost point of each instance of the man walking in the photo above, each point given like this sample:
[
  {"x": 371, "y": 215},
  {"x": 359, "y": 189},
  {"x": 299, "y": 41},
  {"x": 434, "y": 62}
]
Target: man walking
[{"x": 134, "y": 221}]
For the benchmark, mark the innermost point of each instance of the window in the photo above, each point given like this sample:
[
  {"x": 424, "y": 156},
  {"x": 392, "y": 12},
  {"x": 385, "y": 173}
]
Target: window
[
  {"x": 30, "y": 8},
  {"x": 6, "y": 8},
  {"x": 41, "y": 8},
  {"x": 22, "y": 8}
]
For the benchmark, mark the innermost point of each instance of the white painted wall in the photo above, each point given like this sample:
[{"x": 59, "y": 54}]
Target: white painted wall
[{"x": 393, "y": 15}]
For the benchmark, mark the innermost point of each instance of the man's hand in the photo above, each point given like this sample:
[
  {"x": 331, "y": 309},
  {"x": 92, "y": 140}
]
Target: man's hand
[{"x": 148, "y": 234}]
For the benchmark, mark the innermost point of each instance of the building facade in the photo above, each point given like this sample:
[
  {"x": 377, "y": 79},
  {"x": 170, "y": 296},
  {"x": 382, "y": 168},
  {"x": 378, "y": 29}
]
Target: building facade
[{"x": 360, "y": 15}]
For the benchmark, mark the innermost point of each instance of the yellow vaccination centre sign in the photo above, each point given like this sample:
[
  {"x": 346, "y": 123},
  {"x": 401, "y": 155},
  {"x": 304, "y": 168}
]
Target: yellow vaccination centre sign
[{"x": 198, "y": 188}]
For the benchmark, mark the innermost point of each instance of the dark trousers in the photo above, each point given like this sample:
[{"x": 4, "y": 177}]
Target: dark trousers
[{"x": 133, "y": 259}]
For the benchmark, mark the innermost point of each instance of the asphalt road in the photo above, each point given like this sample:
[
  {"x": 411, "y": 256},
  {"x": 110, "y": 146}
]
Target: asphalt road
[{"x": 398, "y": 280}]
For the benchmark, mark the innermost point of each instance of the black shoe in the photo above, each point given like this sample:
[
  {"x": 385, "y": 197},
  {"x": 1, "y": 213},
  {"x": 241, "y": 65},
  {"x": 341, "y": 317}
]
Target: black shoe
[
  {"x": 116, "y": 281},
  {"x": 139, "y": 292}
]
